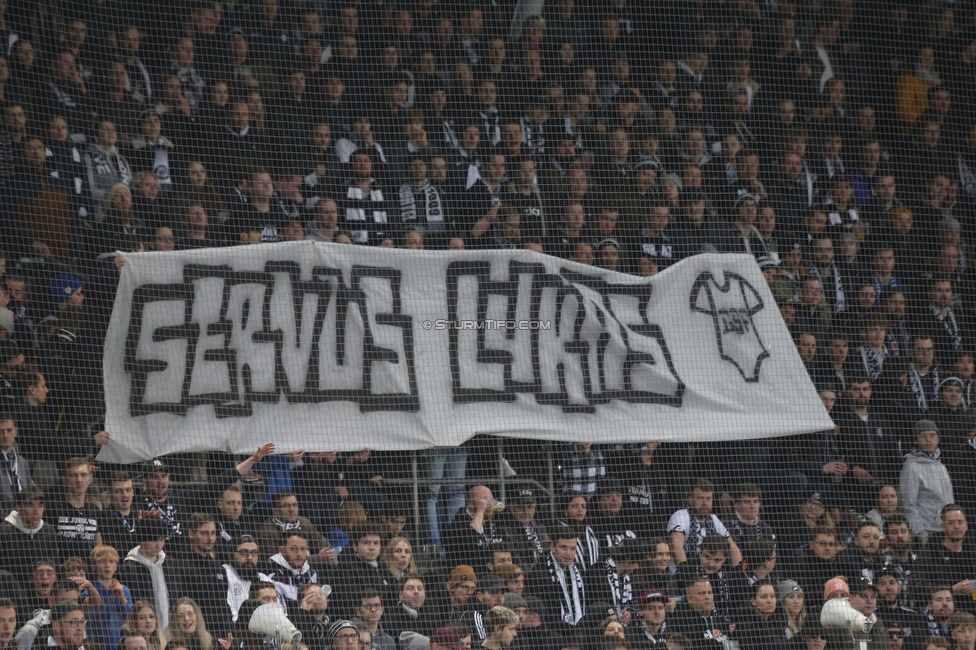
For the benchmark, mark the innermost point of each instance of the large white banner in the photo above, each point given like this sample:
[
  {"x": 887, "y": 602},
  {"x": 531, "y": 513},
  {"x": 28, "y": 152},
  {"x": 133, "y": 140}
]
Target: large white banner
[{"x": 335, "y": 347}]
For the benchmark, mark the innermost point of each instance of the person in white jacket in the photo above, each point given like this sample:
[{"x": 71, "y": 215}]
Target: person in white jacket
[{"x": 925, "y": 485}]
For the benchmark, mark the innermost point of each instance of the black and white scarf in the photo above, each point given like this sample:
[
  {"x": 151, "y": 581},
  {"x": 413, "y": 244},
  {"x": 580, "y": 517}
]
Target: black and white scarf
[
  {"x": 918, "y": 386},
  {"x": 949, "y": 324},
  {"x": 838, "y": 285},
  {"x": 285, "y": 526},
  {"x": 935, "y": 455},
  {"x": 572, "y": 603},
  {"x": 621, "y": 588},
  {"x": 873, "y": 361},
  {"x": 696, "y": 533},
  {"x": 167, "y": 513},
  {"x": 432, "y": 210},
  {"x": 10, "y": 466},
  {"x": 588, "y": 546}
]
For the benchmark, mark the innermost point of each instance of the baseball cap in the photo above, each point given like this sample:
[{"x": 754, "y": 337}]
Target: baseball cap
[
  {"x": 448, "y": 638},
  {"x": 508, "y": 572},
  {"x": 63, "y": 286},
  {"x": 863, "y": 583},
  {"x": 652, "y": 595},
  {"x": 835, "y": 585},
  {"x": 461, "y": 573},
  {"x": 155, "y": 466},
  {"x": 491, "y": 583},
  {"x": 525, "y": 496}
]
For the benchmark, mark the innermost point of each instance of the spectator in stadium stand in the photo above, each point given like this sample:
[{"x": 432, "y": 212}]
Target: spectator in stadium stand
[
  {"x": 652, "y": 629},
  {"x": 369, "y": 612},
  {"x": 654, "y": 238},
  {"x": 285, "y": 517},
  {"x": 8, "y": 623},
  {"x": 923, "y": 372},
  {"x": 925, "y": 486},
  {"x": 289, "y": 569},
  {"x": 231, "y": 525},
  {"x": 864, "y": 599},
  {"x": 367, "y": 210},
  {"x": 521, "y": 530},
  {"x": 613, "y": 519},
  {"x": 422, "y": 204},
  {"x": 67, "y": 628},
  {"x": 105, "y": 164},
  {"x": 689, "y": 526},
  {"x": 413, "y": 611},
  {"x": 482, "y": 200},
  {"x": 501, "y": 625},
  {"x": 323, "y": 226},
  {"x": 867, "y": 447},
  {"x": 944, "y": 559},
  {"x": 942, "y": 322},
  {"x": 818, "y": 560},
  {"x": 25, "y": 538},
  {"x": 899, "y": 553},
  {"x": 198, "y": 570},
  {"x": 759, "y": 560},
  {"x": 761, "y": 627},
  {"x": 939, "y": 609},
  {"x": 489, "y": 593},
  {"x": 145, "y": 569},
  {"x": 15, "y": 472},
  {"x": 461, "y": 585},
  {"x": 559, "y": 582},
  {"x": 65, "y": 93},
  {"x": 105, "y": 621},
  {"x": 618, "y": 582},
  {"x": 117, "y": 523},
  {"x": 361, "y": 568},
  {"x": 360, "y": 140},
  {"x": 264, "y": 209},
  {"x": 864, "y": 558},
  {"x": 748, "y": 525},
  {"x": 892, "y": 609},
  {"x": 469, "y": 537},
  {"x": 73, "y": 517},
  {"x": 697, "y": 618},
  {"x": 311, "y": 616},
  {"x": 241, "y": 575},
  {"x": 153, "y": 152},
  {"x": 709, "y": 564}
]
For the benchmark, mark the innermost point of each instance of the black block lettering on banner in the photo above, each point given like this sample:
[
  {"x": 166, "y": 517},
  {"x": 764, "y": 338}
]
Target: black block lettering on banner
[
  {"x": 328, "y": 288},
  {"x": 565, "y": 285}
]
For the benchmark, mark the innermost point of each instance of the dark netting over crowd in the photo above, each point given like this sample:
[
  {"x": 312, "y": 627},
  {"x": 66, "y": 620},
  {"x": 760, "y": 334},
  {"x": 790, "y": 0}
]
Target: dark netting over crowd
[{"x": 834, "y": 140}]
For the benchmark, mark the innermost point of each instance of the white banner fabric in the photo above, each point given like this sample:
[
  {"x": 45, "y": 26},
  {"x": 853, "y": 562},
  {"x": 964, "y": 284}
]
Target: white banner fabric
[{"x": 334, "y": 347}]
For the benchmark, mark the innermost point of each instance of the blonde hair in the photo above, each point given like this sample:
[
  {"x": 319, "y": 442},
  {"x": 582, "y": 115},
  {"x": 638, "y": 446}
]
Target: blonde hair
[
  {"x": 104, "y": 553},
  {"x": 203, "y": 638},
  {"x": 156, "y": 640},
  {"x": 390, "y": 560}
]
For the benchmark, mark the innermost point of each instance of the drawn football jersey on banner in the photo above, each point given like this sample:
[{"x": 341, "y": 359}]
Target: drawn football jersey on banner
[{"x": 732, "y": 306}]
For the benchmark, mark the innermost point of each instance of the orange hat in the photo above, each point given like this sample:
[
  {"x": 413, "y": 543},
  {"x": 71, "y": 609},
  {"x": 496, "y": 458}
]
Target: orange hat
[
  {"x": 462, "y": 573},
  {"x": 834, "y": 585}
]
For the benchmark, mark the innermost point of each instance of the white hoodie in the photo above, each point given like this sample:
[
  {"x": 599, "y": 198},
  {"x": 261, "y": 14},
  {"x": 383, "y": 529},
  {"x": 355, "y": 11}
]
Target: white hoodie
[
  {"x": 14, "y": 520},
  {"x": 160, "y": 594}
]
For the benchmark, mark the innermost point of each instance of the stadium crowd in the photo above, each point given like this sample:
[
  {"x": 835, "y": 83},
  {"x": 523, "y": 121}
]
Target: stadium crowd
[{"x": 830, "y": 139}]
